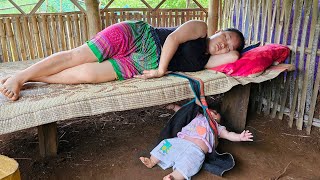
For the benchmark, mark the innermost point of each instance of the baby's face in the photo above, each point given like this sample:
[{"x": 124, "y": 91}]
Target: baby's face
[{"x": 216, "y": 116}]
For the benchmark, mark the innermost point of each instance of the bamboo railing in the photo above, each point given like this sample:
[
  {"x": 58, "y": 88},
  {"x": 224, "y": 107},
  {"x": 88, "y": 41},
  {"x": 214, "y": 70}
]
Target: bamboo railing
[
  {"x": 292, "y": 23},
  {"x": 24, "y": 37}
]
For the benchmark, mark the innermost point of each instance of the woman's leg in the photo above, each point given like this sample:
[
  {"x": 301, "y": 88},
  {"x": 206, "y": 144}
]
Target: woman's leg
[
  {"x": 84, "y": 73},
  {"x": 48, "y": 66}
]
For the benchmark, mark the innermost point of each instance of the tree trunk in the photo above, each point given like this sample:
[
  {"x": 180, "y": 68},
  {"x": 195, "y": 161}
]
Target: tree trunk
[{"x": 93, "y": 16}]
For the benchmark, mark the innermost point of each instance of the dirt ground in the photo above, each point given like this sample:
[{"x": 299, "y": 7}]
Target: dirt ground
[{"x": 108, "y": 147}]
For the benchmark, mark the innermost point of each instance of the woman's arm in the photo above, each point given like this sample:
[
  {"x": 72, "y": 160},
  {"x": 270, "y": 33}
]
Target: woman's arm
[
  {"x": 232, "y": 136},
  {"x": 188, "y": 31},
  {"x": 220, "y": 59}
]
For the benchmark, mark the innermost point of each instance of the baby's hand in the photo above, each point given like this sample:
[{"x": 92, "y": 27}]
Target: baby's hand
[{"x": 246, "y": 136}]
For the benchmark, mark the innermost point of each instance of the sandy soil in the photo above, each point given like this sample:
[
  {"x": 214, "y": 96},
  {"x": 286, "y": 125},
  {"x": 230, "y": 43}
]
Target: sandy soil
[{"x": 108, "y": 146}]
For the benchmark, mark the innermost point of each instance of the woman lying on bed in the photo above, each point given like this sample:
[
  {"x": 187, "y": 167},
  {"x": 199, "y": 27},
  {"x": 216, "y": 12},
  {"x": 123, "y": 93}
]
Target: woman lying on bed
[{"x": 132, "y": 49}]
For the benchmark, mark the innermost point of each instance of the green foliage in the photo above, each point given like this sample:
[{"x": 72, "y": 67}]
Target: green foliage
[
  {"x": 54, "y": 5},
  {"x": 153, "y": 3}
]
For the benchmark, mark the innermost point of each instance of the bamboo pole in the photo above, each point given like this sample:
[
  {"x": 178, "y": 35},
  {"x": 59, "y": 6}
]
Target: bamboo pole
[
  {"x": 312, "y": 66},
  {"x": 77, "y": 30},
  {"x": 265, "y": 13},
  {"x": 20, "y": 40},
  {"x": 278, "y": 83},
  {"x": 54, "y": 36},
  {"x": 70, "y": 32},
  {"x": 280, "y": 26},
  {"x": 237, "y": 8},
  {"x": 256, "y": 27},
  {"x": 9, "y": 32},
  {"x": 303, "y": 77},
  {"x": 314, "y": 98},
  {"x": 62, "y": 33},
  {"x": 251, "y": 21},
  {"x": 269, "y": 21},
  {"x": 244, "y": 15},
  {"x": 36, "y": 7},
  {"x": 213, "y": 16},
  {"x": 36, "y": 35},
  {"x": 3, "y": 42},
  {"x": 28, "y": 37},
  {"x": 93, "y": 15},
  {"x": 107, "y": 18},
  {"x": 83, "y": 25},
  {"x": 47, "y": 44},
  {"x": 294, "y": 41},
  {"x": 287, "y": 5}
]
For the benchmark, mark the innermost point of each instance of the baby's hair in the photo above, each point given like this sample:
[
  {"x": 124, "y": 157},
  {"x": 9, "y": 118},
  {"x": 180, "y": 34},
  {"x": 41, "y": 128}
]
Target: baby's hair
[{"x": 240, "y": 35}]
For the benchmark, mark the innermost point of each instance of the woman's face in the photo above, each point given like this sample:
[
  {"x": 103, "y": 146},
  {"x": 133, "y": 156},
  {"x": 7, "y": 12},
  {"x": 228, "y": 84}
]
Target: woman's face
[{"x": 223, "y": 42}]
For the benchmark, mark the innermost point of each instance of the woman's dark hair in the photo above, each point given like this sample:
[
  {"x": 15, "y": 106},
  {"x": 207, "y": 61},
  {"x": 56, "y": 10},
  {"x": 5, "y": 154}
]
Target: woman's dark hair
[{"x": 240, "y": 35}]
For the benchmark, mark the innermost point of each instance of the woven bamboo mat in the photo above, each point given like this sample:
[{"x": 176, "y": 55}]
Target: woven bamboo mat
[{"x": 42, "y": 103}]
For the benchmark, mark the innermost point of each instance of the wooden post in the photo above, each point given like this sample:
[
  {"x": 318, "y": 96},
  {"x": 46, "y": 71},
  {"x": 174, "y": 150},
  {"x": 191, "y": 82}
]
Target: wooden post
[
  {"x": 235, "y": 106},
  {"x": 47, "y": 134},
  {"x": 93, "y": 14},
  {"x": 213, "y": 13}
]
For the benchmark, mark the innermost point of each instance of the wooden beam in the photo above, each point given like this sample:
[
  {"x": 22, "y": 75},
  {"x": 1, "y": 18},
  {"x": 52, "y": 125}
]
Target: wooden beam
[
  {"x": 93, "y": 14},
  {"x": 107, "y": 6},
  {"x": 47, "y": 134},
  {"x": 16, "y": 6},
  {"x": 36, "y": 7},
  {"x": 145, "y": 3},
  {"x": 235, "y": 106},
  {"x": 201, "y": 7},
  {"x": 159, "y": 5},
  {"x": 213, "y": 15},
  {"x": 78, "y": 6}
]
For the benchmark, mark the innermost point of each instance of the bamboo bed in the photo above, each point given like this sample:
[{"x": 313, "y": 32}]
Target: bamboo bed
[{"x": 42, "y": 105}]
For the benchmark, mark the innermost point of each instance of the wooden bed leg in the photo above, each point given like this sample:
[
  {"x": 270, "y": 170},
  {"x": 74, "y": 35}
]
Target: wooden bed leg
[
  {"x": 235, "y": 106},
  {"x": 47, "y": 134}
]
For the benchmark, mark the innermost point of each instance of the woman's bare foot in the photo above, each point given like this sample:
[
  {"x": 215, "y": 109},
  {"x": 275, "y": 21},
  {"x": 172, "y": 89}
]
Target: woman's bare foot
[
  {"x": 147, "y": 161},
  {"x": 10, "y": 87},
  {"x": 4, "y": 80}
]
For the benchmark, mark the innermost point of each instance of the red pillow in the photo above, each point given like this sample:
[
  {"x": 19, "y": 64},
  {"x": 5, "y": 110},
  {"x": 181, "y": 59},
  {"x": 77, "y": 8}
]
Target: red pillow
[{"x": 255, "y": 61}]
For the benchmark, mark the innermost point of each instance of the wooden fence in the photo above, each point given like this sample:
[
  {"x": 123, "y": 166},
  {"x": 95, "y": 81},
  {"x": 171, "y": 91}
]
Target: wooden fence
[
  {"x": 40, "y": 35},
  {"x": 292, "y": 23}
]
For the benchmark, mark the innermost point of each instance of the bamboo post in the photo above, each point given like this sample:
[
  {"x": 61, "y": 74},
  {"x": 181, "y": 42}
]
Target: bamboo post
[
  {"x": 304, "y": 77},
  {"x": 36, "y": 35},
  {"x": 47, "y": 45},
  {"x": 28, "y": 37},
  {"x": 77, "y": 30},
  {"x": 317, "y": 81},
  {"x": 62, "y": 32},
  {"x": 312, "y": 66},
  {"x": 93, "y": 15},
  {"x": 3, "y": 41},
  {"x": 84, "y": 33},
  {"x": 20, "y": 39},
  {"x": 54, "y": 36},
  {"x": 294, "y": 41},
  {"x": 257, "y": 21},
  {"x": 213, "y": 12},
  {"x": 12, "y": 46},
  {"x": 70, "y": 32}
]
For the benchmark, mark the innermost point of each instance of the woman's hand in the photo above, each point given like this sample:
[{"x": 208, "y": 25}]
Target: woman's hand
[{"x": 148, "y": 74}]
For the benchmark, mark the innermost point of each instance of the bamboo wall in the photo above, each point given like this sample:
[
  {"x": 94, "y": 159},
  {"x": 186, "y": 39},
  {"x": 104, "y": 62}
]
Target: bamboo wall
[
  {"x": 295, "y": 23},
  {"x": 40, "y": 35}
]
